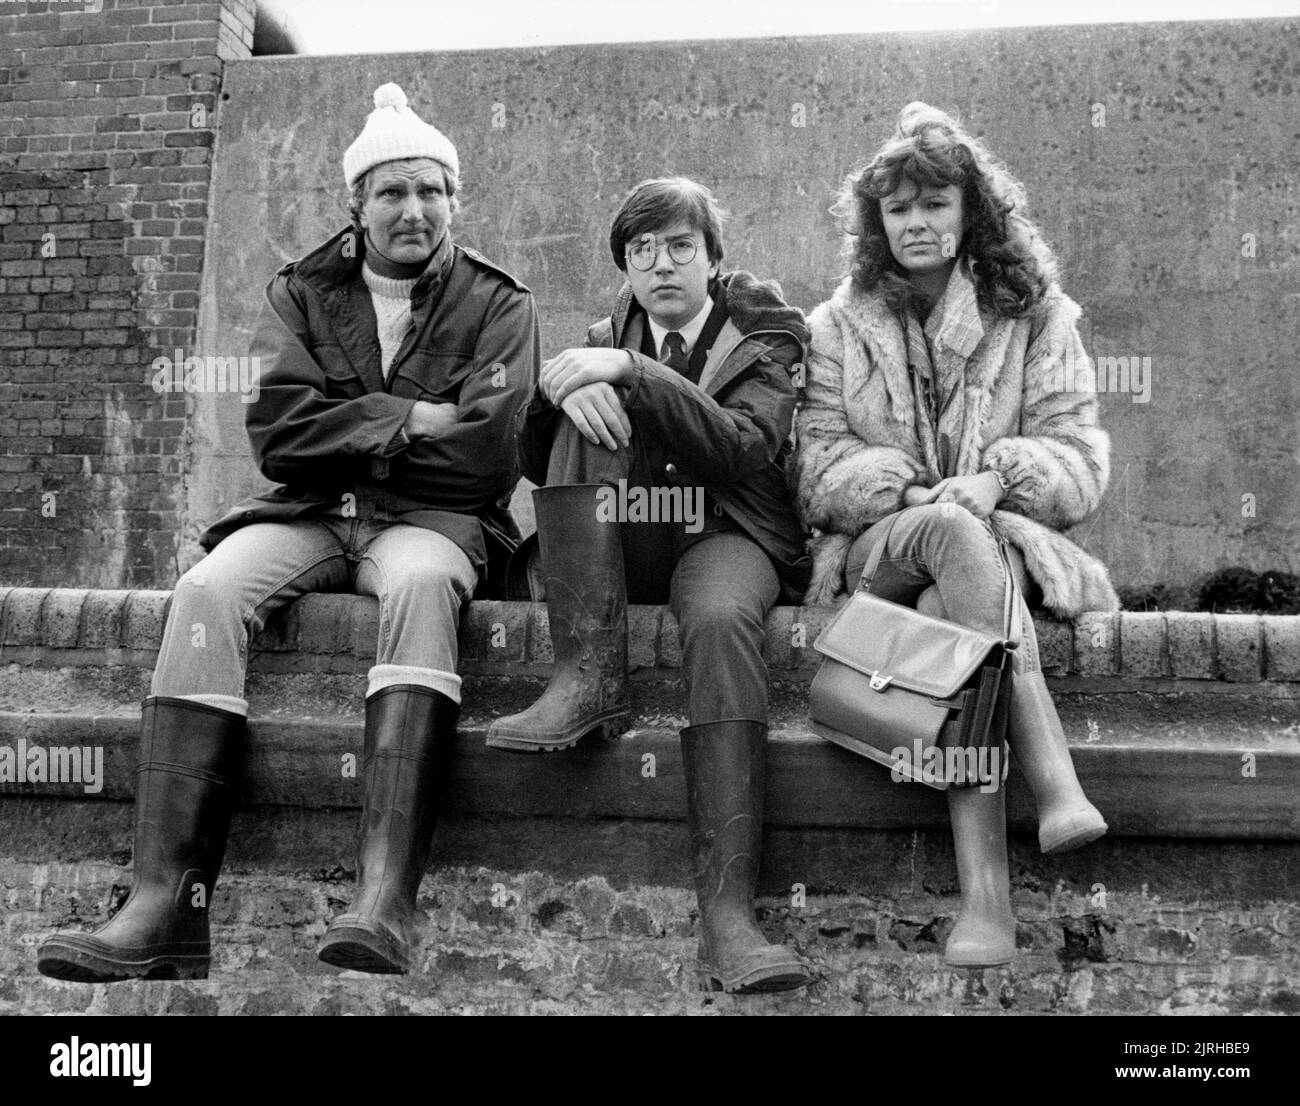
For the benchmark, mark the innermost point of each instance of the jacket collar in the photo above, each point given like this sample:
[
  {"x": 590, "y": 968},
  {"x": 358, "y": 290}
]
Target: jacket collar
[
  {"x": 333, "y": 271},
  {"x": 755, "y": 308},
  {"x": 337, "y": 264}
]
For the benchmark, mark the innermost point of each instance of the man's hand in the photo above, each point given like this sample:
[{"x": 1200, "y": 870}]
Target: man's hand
[
  {"x": 428, "y": 420},
  {"x": 597, "y": 412},
  {"x": 576, "y": 368},
  {"x": 979, "y": 493}
]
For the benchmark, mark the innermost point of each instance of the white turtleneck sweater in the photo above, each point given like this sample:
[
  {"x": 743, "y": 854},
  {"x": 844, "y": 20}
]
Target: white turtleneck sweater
[{"x": 392, "y": 300}]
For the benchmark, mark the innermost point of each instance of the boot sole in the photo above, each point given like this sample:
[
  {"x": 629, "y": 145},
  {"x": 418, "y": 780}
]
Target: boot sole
[
  {"x": 606, "y": 726},
  {"x": 990, "y": 960},
  {"x": 990, "y": 945},
  {"x": 64, "y": 959},
  {"x": 759, "y": 982},
  {"x": 357, "y": 944},
  {"x": 1071, "y": 838},
  {"x": 764, "y": 979}
]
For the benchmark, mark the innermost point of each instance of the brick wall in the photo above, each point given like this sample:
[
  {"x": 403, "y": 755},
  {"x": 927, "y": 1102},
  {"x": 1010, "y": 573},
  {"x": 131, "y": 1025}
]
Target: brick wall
[{"x": 108, "y": 108}]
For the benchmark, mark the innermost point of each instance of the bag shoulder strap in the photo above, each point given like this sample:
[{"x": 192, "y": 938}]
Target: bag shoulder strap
[
  {"x": 1012, "y": 627},
  {"x": 873, "y": 561}
]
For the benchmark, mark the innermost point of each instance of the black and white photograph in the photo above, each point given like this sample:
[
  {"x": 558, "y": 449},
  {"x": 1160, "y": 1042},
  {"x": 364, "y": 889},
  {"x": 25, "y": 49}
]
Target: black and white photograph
[{"x": 651, "y": 509}]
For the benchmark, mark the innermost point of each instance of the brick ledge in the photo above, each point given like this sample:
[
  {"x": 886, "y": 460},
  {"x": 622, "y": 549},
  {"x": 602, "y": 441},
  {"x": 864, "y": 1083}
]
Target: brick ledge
[{"x": 87, "y": 626}]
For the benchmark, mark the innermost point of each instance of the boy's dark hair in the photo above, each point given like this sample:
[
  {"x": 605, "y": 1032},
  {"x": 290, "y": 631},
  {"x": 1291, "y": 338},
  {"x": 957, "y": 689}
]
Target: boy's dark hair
[{"x": 661, "y": 202}]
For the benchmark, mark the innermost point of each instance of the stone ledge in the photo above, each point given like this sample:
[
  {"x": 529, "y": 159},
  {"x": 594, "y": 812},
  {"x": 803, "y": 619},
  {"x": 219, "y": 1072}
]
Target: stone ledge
[
  {"x": 1231, "y": 773},
  {"x": 337, "y": 633}
]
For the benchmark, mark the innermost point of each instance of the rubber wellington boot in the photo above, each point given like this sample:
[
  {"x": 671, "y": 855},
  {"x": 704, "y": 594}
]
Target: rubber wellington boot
[
  {"x": 1066, "y": 819},
  {"x": 185, "y": 790},
  {"x": 724, "y": 763},
  {"x": 586, "y": 599},
  {"x": 409, "y": 734},
  {"x": 985, "y": 933}
]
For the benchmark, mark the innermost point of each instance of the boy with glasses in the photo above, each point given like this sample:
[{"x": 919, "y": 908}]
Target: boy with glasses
[{"x": 684, "y": 395}]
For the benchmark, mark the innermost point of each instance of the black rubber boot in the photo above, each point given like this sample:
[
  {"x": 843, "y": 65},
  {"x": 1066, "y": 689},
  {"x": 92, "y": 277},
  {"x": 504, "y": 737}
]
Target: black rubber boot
[
  {"x": 725, "y": 763},
  {"x": 410, "y": 731},
  {"x": 586, "y": 599},
  {"x": 185, "y": 790}
]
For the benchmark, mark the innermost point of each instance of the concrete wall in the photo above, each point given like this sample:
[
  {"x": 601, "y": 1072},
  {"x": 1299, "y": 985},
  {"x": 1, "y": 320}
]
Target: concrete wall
[{"x": 1150, "y": 154}]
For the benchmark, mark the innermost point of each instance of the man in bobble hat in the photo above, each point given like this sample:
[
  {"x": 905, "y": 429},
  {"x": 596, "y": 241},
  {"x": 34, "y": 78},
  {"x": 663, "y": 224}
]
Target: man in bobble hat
[{"x": 393, "y": 363}]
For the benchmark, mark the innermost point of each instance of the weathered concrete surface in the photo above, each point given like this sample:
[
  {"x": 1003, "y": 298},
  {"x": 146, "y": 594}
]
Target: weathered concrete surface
[
  {"x": 526, "y": 942},
  {"x": 1149, "y": 212},
  {"x": 1219, "y": 769},
  {"x": 1213, "y": 754}
]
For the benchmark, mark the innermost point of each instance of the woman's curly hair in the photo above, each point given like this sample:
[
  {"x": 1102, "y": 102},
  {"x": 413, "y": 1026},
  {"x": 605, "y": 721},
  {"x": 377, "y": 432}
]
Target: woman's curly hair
[{"x": 1011, "y": 264}]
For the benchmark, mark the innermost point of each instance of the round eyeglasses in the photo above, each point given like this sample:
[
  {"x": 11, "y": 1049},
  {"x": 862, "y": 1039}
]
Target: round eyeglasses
[{"x": 643, "y": 255}]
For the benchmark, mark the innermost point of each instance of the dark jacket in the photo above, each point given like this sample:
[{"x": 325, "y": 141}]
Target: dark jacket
[
  {"x": 731, "y": 432},
  {"x": 326, "y": 423}
]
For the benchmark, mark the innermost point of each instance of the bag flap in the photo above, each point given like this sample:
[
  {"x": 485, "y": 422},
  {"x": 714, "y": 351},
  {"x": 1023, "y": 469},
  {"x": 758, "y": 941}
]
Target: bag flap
[{"x": 896, "y": 645}]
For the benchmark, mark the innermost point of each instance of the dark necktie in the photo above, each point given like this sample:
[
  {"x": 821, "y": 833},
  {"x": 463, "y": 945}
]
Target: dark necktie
[{"x": 674, "y": 355}]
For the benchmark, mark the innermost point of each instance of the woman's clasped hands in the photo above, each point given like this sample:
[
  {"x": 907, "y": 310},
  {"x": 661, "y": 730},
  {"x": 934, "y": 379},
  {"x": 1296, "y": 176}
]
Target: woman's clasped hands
[{"x": 979, "y": 493}]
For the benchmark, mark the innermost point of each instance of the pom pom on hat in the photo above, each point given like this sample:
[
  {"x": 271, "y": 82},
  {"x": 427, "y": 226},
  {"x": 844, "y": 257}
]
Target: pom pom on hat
[
  {"x": 390, "y": 96},
  {"x": 392, "y": 132}
]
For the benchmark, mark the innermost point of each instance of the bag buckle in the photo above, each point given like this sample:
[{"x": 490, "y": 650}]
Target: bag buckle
[{"x": 879, "y": 681}]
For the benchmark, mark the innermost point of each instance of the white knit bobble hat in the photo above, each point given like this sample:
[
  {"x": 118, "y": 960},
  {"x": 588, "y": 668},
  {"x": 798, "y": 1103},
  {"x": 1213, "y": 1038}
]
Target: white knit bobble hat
[{"x": 393, "y": 131}]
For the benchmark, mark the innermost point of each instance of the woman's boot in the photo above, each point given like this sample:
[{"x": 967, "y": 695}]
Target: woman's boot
[
  {"x": 409, "y": 734},
  {"x": 724, "y": 764},
  {"x": 1066, "y": 819},
  {"x": 985, "y": 933},
  {"x": 185, "y": 790},
  {"x": 586, "y": 599}
]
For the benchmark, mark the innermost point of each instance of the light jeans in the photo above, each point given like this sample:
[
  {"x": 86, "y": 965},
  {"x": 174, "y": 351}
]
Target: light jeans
[
  {"x": 420, "y": 577},
  {"x": 946, "y": 547}
]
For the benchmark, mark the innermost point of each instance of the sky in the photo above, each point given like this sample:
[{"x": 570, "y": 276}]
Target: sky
[{"x": 384, "y": 26}]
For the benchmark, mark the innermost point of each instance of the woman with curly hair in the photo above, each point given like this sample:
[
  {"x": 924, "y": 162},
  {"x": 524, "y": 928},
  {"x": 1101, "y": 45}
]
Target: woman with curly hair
[{"x": 942, "y": 417}]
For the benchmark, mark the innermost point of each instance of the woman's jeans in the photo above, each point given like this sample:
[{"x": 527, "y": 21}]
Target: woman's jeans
[
  {"x": 944, "y": 545},
  {"x": 420, "y": 578}
]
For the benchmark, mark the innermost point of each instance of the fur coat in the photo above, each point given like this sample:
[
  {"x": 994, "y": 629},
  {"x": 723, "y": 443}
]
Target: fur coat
[{"x": 860, "y": 443}]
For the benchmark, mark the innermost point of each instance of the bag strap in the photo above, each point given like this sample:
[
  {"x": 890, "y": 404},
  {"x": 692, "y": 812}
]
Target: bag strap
[
  {"x": 1012, "y": 625},
  {"x": 873, "y": 562}
]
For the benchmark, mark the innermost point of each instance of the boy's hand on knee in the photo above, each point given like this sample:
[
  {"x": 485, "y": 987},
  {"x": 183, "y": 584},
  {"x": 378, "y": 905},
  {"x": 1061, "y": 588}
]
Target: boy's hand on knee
[
  {"x": 597, "y": 412},
  {"x": 576, "y": 368}
]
